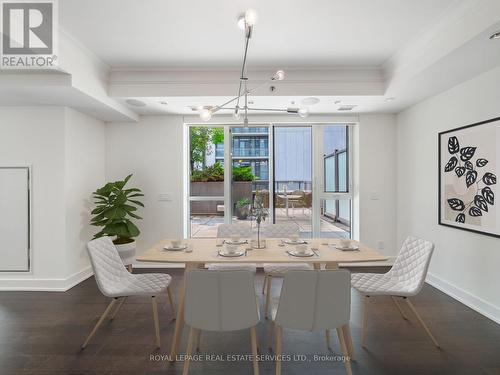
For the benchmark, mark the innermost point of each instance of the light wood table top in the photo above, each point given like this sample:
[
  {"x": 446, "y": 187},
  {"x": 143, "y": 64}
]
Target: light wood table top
[{"x": 205, "y": 250}]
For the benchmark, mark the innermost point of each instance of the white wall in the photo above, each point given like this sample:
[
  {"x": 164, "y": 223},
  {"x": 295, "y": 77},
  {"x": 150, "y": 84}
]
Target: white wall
[
  {"x": 65, "y": 169},
  {"x": 152, "y": 151},
  {"x": 35, "y": 136},
  {"x": 465, "y": 264},
  {"x": 376, "y": 173},
  {"x": 84, "y": 173}
]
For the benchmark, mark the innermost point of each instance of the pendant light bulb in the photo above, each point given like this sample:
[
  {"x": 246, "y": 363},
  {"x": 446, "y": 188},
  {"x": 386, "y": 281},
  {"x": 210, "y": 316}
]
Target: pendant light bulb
[
  {"x": 205, "y": 114},
  {"x": 303, "y": 112},
  {"x": 250, "y": 17},
  {"x": 278, "y": 76}
]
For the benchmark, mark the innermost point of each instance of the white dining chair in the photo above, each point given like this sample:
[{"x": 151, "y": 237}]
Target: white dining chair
[
  {"x": 226, "y": 231},
  {"x": 404, "y": 280},
  {"x": 314, "y": 300},
  {"x": 221, "y": 300},
  {"x": 114, "y": 281},
  {"x": 278, "y": 270}
]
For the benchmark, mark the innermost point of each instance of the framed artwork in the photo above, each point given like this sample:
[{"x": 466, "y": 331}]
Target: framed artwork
[{"x": 469, "y": 163}]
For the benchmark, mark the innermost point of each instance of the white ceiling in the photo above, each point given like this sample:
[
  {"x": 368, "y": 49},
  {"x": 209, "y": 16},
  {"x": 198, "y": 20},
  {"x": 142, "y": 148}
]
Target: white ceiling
[
  {"x": 202, "y": 34},
  {"x": 327, "y": 104}
]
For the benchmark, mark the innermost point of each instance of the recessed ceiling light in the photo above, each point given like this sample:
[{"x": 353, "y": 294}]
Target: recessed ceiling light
[
  {"x": 347, "y": 107},
  {"x": 135, "y": 102},
  {"x": 310, "y": 101},
  {"x": 162, "y": 102},
  {"x": 495, "y": 35},
  {"x": 389, "y": 99}
]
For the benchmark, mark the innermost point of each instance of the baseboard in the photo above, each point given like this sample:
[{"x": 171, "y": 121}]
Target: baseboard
[
  {"x": 475, "y": 303},
  {"x": 46, "y": 285}
]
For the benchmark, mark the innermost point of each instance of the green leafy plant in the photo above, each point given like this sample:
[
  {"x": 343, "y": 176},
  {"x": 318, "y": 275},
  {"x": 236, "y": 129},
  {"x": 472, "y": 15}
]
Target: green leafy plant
[
  {"x": 115, "y": 205},
  {"x": 202, "y": 141},
  {"x": 243, "y": 174},
  {"x": 212, "y": 173},
  {"x": 244, "y": 202},
  {"x": 243, "y": 208}
]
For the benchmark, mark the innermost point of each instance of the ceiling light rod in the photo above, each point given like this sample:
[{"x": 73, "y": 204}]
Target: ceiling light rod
[{"x": 246, "y": 22}]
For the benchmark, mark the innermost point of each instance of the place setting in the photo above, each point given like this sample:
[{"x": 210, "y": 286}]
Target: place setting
[
  {"x": 345, "y": 245},
  {"x": 293, "y": 240},
  {"x": 177, "y": 245},
  {"x": 302, "y": 251},
  {"x": 231, "y": 251}
]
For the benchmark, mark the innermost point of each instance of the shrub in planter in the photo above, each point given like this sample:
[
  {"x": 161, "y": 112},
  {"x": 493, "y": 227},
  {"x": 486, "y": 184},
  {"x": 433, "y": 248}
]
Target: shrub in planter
[
  {"x": 243, "y": 208},
  {"x": 243, "y": 174},
  {"x": 212, "y": 173}
]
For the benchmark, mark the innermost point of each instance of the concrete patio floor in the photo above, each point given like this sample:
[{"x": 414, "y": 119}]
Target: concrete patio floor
[{"x": 206, "y": 226}]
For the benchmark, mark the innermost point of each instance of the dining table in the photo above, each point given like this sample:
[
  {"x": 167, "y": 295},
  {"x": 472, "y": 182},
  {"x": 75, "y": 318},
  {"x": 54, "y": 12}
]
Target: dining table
[{"x": 198, "y": 252}]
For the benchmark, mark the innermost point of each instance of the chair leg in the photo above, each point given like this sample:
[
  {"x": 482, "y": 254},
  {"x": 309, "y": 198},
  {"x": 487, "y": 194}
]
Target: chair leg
[
  {"x": 189, "y": 350},
  {"x": 253, "y": 338},
  {"x": 198, "y": 340},
  {"x": 155, "y": 318},
  {"x": 399, "y": 308},
  {"x": 365, "y": 321},
  {"x": 343, "y": 347},
  {"x": 279, "y": 348},
  {"x": 171, "y": 301},
  {"x": 422, "y": 322},
  {"x": 271, "y": 335},
  {"x": 264, "y": 284},
  {"x": 268, "y": 296},
  {"x": 99, "y": 322},
  {"x": 328, "y": 341},
  {"x": 348, "y": 340},
  {"x": 118, "y": 308}
]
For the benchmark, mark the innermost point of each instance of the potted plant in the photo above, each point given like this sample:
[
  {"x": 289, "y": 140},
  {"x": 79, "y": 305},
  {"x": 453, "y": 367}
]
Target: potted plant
[
  {"x": 115, "y": 207},
  {"x": 242, "y": 208}
]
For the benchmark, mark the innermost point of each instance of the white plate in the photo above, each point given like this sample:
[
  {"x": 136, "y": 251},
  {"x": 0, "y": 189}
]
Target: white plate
[
  {"x": 175, "y": 248},
  {"x": 349, "y": 248},
  {"x": 301, "y": 255},
  {"x": 239, "y": 242},
  {"x": 231, "y": 255},
  {"x": 290, "y": 242}
]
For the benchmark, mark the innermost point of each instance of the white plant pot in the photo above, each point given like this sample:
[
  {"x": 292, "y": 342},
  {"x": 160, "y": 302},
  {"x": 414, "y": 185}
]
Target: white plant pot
[{"x": 127, "y": 252}]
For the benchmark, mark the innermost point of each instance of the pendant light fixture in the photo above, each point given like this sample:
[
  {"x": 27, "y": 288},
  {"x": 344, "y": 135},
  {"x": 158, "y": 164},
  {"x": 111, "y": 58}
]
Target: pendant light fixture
[{"x": 239, "y": 104}]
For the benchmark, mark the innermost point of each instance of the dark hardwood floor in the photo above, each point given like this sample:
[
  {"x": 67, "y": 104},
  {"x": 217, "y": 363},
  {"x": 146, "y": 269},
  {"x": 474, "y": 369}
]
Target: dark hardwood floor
[{"x": 41, "y": 333}]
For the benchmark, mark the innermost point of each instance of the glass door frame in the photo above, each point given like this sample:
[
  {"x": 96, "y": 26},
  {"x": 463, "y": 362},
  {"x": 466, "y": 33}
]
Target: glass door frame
[{"x": 318, "y": 170}]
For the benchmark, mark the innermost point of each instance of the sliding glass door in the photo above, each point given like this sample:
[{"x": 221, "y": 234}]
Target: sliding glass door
[
  {"x": 206, "y": 180},
  {"x": 301, "y": 171},
  {"x": 293, "y": 190},
  {"x": 335, "y": 194}
]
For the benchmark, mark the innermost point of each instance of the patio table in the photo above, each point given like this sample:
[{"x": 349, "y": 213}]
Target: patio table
[
  {"x": 205, "y": 251},
  {"x": 287, "y": 198}
]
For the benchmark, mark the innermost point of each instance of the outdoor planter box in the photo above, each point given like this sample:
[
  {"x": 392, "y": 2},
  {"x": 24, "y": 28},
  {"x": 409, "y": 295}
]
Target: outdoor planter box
[{"x": 241, "y": 190}]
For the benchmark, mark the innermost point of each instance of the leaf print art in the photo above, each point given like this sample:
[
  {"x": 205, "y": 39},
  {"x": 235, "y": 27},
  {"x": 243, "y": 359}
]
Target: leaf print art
[{"x": 470, "y": 171}]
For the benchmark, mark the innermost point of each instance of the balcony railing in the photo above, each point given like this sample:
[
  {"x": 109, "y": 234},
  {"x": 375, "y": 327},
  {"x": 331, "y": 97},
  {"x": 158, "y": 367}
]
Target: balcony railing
[{"x": 244, "y": 152}]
